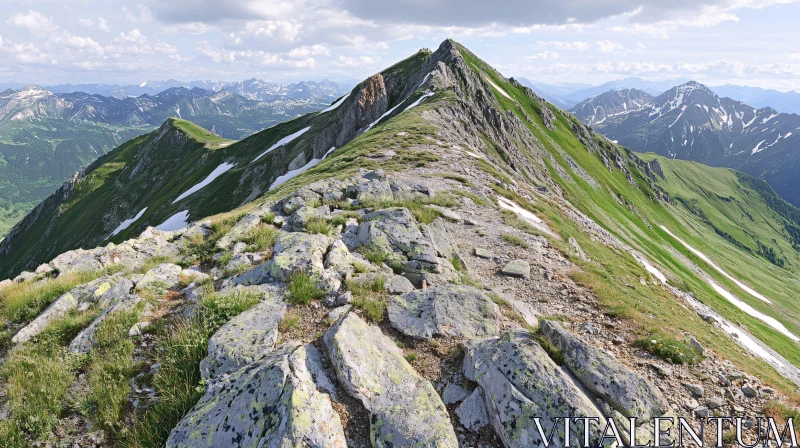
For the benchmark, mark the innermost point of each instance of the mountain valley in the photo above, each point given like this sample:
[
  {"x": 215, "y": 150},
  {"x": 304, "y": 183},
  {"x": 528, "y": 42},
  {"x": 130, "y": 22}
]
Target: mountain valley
[{"x": 47, "y": 137}]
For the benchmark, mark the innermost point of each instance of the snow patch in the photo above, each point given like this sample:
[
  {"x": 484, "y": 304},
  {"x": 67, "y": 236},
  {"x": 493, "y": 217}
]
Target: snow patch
[
  {"x": 177, "y": 221},
  {"x": 502, "y": 92},
  {"x": 294, "y": 173},
  {"x": 524, "y": 214},
  {"x": 387, "y": 113},
  {"x": 771, "y": 321},
  {"x": 419, "y": 100},
  {"x": 127, "y": 223},
  {"x": 283, "y": 141},
  {"x": 218, "y": 171},
  {"x": 703, "y": 257},
  {"x": 336, "y": 104}
]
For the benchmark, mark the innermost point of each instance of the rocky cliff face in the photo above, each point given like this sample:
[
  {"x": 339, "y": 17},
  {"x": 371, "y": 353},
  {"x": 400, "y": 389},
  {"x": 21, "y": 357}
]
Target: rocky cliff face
[{"x": 430, "y": 283}]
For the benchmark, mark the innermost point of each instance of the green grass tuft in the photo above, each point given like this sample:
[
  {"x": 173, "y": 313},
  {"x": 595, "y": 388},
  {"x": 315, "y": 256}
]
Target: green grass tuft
[
  {"x": 515, "y": 240},
  {"x": 303, "y": 289}
]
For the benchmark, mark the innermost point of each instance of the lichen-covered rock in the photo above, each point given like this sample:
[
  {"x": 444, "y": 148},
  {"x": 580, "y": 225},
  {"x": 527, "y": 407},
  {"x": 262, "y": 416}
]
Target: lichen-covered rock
[
  {"x": 445, "y": 310},
  {"x": 85, "y": 340},
  {"x": 422, "y": 253},
  {"x": 78, "y": 260},
  {"x": 25, "y": 276},
  {"x": 472, "y": 412},
  {"x": 622, "y": 388},
  {"x": 5, "y": 283},
  {"x": 397, "y": 284},
  {"x": 248, "y": 336},
  {"x": 404, "y": 408},
  {"x": 520, "y": 382},
  {"x": 113, "y": 295},
  {"x": 275, "y": 402},
  {"x": 517, "y": 268},
  {"x": 375, "y": 190},
  {"x": 59, "y": 308},
  {"x": 44, "y": 269},
  {"x": 167, "y": 276},
  {"x": 342, "y": 261},
  {"x": 294, "y": 252},
  {"x": 163, "y": 276}
]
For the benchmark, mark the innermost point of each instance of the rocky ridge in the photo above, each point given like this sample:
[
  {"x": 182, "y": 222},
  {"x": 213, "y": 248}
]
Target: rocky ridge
[{"x": 463, "y": 350}]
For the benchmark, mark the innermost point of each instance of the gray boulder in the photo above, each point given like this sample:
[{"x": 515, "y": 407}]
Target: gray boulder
[
  {"x": 275, "y": 402},
  {"x": 521, "y": 382},
  {"x": 6, "y": 283},
  {"x": 161, "y": 277},
  {"x": 453, "y": 393},
  {"x": 517, "y": 268},
  {"x": 622, "y": 388},
  {"x": 397, "y": 284},
  {"x": 446, "y": 310},
  {"x": 25, "y": 276},
  {"x": 404, "y": 408},
  {"x": 422, "y": 252},
  {"x": 472, "y": 412},
  {"x": 248, "y": 336},
  {"x": 294, "y": 252},
  {"x": 85, "y": 340},
  {"x": 77, "y": 260},
  {"x": 243, "y": 226},
  {"x": 59, "y": 308}
]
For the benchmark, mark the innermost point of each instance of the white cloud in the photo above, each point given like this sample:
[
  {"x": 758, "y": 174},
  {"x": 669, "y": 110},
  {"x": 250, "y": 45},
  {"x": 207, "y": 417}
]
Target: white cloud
[
  {"x": 36, "y": 23},
  {"x": 791, "y": 56},
  {"x": 571, "y": 46},
  {"x": 142, "y": 13},
  {"x": 102, "y": 25},
  {"x": 607, "y": 46},
  {"x": 543, "y": 55},
  {"x": 363, "y": 61}
]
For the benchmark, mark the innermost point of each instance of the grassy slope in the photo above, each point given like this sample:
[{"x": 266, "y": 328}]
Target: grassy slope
[{"x": 636, "y": 222}]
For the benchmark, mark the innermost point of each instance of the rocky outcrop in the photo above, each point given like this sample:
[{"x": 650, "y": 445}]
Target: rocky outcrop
[
  {"x": 87, "y": 293},
  {"x": 294, "y": 252},
  {"x": 86, "y": 339},
  {"x": 248, "y": 336},
  {"x": 446, "y": 310},
  {"x": 520, "y": 382},
  {"x": 369, "y": 104},
  {"x": 167, "y": 276},
  {"x": 421, "y": 252},
  {"x": 622, "y": 388},
  {"x": 59, "y": 308},
  {"x": 404, "y": 408},
  {"x": 274, "y": 402}
]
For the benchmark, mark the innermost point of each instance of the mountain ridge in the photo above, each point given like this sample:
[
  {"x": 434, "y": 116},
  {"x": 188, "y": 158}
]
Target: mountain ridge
[
  {"x": 442, "y": 213},
  {"x": 691, "y": 122}
]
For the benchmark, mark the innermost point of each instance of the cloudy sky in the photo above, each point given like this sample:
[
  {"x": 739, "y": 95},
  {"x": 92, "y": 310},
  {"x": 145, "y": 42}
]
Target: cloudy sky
[{"x": 748, "y": 42}]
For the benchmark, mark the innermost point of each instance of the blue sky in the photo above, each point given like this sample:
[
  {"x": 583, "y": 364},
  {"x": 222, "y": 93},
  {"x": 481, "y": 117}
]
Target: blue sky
[{"x": 743, "y": 42}]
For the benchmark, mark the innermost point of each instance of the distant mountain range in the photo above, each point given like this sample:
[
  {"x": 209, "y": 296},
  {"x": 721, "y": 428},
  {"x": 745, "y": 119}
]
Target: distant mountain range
[
  {"x": 47, "y": 136},
  {"x": 567, "y": 96},
  {"x": 692, "y": 122}
]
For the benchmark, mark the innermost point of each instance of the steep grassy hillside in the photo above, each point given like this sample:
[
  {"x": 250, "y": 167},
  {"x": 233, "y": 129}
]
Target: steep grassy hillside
[{"x": 620, "y": 196}]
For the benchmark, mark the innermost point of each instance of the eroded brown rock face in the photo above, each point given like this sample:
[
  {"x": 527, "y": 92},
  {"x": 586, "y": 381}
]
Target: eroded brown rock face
[{"x": 370, "y": 103}]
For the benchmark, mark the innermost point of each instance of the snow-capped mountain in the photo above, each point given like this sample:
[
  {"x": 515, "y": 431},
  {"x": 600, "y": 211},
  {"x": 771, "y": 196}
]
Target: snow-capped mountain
[
  {"x": 610, "y": 104},
  {"x": 692, "y": 122}
]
